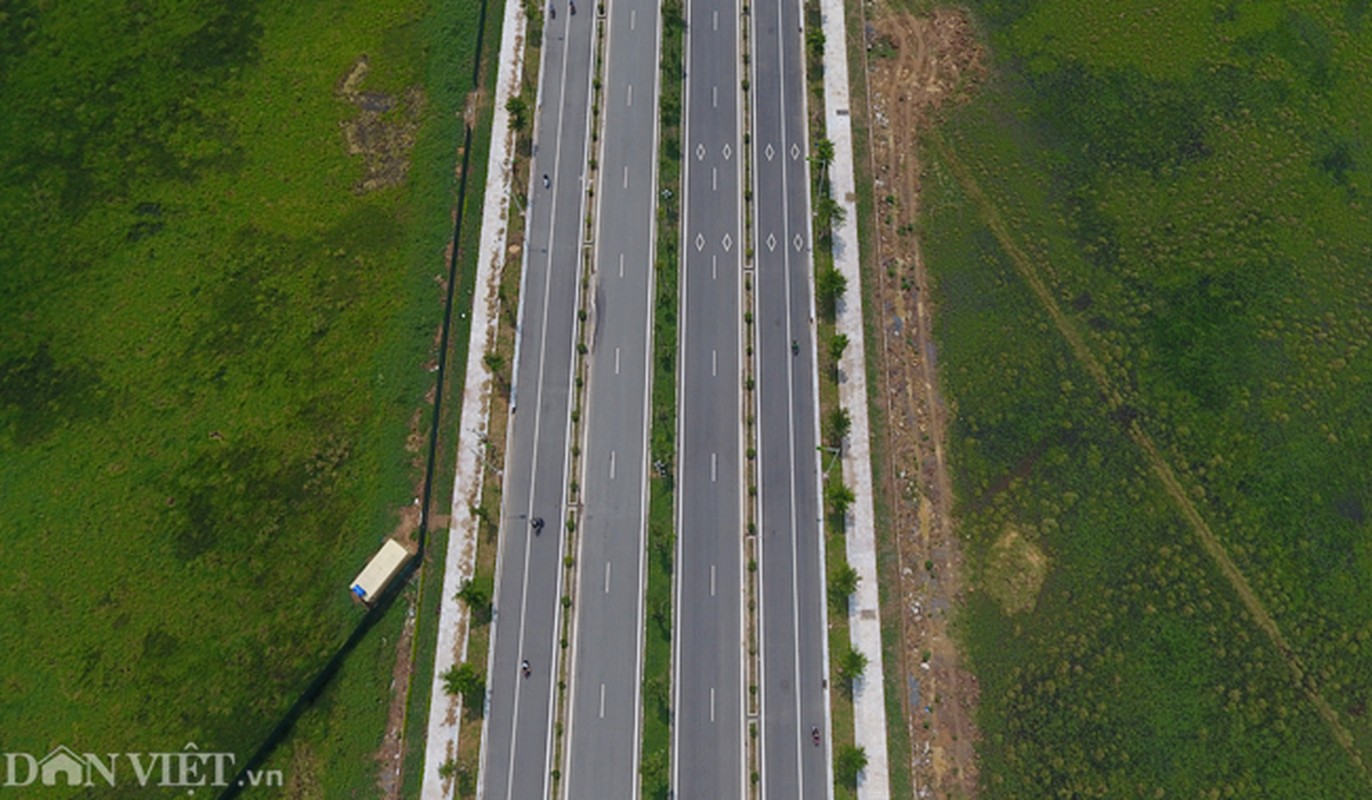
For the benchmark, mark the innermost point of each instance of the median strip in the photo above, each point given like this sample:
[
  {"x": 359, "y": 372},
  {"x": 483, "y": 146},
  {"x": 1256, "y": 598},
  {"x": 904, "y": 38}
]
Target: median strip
[{"x": 655, "y": 767}]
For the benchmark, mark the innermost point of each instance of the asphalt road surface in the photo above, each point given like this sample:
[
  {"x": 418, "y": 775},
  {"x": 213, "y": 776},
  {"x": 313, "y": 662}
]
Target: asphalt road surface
[
  {"x": 791, "y": 608},
  {"x": 517, "y": 738},
  {"x": 708, "y": 735},
  {"x": 603, "y": 727}
]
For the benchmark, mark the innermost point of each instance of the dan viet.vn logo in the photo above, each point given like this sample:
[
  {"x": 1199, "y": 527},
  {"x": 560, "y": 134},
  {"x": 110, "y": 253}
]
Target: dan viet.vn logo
[{"x": 183, "y": 769}]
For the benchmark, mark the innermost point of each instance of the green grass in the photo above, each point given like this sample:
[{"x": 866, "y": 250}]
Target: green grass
[
  {"x": 656, "y": 759},
  {"x": 1187, "y": 185},
  {"x": 212, "y": 348},
  {"x": 431, "y": 586}
]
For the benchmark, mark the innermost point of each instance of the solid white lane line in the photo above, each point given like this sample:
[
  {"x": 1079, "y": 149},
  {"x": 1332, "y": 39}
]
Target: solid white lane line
[
  {"x": 607, "y": 577},
  {"x": 602, "y": 701}
]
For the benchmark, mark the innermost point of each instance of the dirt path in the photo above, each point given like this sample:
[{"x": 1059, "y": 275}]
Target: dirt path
[
  {"x": 391, "y": 755},
  {"x": 914, "y": 66}
]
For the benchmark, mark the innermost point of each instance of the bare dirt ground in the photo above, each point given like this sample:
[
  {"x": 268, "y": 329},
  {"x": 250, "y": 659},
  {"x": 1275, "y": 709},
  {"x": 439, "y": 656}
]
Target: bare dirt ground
[
  {"x": 915, "y": 65},
  {"x": 391, "y": 755}
]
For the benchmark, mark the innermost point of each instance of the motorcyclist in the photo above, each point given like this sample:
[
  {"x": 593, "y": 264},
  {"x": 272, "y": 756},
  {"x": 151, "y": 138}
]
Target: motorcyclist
[
  {"x": 524, "y": 667},
  {"x": 538, "y": 525}
]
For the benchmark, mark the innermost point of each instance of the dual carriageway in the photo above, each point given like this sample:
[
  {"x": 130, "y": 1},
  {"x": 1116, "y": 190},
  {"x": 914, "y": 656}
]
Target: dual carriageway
[{"x": 718, "y": 285}]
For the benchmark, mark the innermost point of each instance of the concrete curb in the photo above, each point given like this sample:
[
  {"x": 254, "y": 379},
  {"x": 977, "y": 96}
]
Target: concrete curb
[
  {"x": 445, "y": 712},
  {"x": 864, "y": 608}
]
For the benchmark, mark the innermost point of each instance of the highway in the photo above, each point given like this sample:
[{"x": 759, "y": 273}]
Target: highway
[
  {"x": 602, "y": 753},
  {"x": 791, "y": 605},
  {"x": 708, "y": 735},
  {"x": 517, "y": 737}
]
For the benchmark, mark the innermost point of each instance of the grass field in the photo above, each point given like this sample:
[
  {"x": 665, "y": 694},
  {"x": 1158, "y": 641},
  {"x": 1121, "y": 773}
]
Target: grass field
[
  {"x": 216, "y": 322},
  {"x": 1152, "y": 248},
  {"x": 655, "y": 766}
]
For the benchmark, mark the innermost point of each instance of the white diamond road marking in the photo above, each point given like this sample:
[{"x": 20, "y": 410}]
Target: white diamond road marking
[
  {"x": 769, "y": 152},
  {"x": 771, "y": 241},
  {"x": 727, "y": 242},
  {"x": 700, "y": 241},
  {"x": 795, "y": 151},
  {"x": 700, "y": 152},
  {"x": 728, "y": 151},
  {"x": 798, "y": 242}
]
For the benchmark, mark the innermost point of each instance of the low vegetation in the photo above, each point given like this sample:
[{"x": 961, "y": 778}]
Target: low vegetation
[
  {"x": 1150, "y": 245},
  {"x": 219, "y": 301},
  {"x": 655, "y": 764}
]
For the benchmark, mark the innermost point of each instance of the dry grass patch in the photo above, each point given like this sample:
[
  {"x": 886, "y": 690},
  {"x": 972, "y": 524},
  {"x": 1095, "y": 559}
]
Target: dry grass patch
[
  {"x": 1015, "y": 569},
  {"x": 383, "y": 132}
]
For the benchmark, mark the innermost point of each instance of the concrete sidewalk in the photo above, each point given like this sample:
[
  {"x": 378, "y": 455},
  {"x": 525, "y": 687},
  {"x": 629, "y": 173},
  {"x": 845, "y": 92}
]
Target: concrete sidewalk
[
  {"x": 864, "y": 609},
  {"x": 445, "y": 711}
]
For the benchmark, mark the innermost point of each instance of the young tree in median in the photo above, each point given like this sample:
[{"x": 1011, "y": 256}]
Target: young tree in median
[
  {"x": 477, "y": 593},
  {"x": 467, "y": 681},
  {"x": 814, "y": 43},
  {"x": 840, "y": 498},
  {"x": 848, "y": 763},
  {"x": 840, "y": 423},
  {"x": 851, "y": 664},
  {"x": 518, "y": 109},
  {"x": 829, "y": 214},
  {"x": 495, "y": 363},
  {"x": 829, "y": 287},
  {"x": 448, "y": 770},
  {"x": 838, "y": 345},
  {"x": 824, "y": 149},
  {"x": 842, "y": 584}
]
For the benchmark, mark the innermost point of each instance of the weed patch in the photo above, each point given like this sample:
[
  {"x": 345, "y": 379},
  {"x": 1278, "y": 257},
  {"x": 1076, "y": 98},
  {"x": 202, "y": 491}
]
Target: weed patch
[
  {"x": 209, "y": 366},
  {"x": 1153, "y": 320}
]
